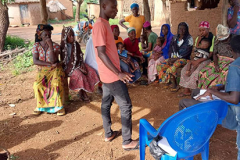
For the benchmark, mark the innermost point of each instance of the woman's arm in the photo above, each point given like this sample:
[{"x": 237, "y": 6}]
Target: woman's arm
[
  {"x": 233, "y": 21},
  {"x": 149, "y": 48},
  {"x": 123, "y": 25}
]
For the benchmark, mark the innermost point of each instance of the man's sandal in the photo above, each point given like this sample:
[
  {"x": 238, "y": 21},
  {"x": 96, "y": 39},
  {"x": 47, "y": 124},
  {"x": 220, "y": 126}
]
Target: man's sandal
[{"x": 115, "y": 134}]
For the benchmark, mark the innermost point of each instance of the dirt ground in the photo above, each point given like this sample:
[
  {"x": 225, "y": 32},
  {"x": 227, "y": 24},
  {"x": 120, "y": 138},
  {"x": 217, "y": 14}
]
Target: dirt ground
[{"x": 79, "y": 134}]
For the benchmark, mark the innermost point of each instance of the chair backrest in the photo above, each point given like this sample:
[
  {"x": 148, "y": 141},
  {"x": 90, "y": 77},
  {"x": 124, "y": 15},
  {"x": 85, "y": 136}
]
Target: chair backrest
[{"x": 189, "y": 130}]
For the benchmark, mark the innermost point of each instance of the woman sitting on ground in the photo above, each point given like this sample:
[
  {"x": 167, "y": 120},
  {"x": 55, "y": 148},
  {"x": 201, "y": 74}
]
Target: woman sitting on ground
[
  {"x": 160, "y": 57},
  {"x": 179, "y": 54},
  {"x": 189, "y": 81},
  {"x": 82, "y": 77},
  {"x": 49, "y": 85},
  {"x": 216, "y": 72}
]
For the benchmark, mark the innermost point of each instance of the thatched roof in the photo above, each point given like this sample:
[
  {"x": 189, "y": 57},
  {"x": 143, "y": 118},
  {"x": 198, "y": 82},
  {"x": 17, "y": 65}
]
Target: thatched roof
[{"x": 55, "y": 6}]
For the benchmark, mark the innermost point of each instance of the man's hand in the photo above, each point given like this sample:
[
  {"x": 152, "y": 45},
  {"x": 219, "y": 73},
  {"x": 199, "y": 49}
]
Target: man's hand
[
  {"x": 207, "y": 93},
  {"x": 125, "y": 77}
]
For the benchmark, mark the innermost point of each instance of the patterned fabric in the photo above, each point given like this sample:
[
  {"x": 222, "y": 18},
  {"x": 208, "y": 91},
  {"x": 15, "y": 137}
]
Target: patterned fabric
[
  {"x": 44, "y": 56},
  {"x": 191, "y": 81},
  {"x": 49, "y": 89},
  {"x": 204, "y": 24},
  {"x": 152, "y": 68},
  {"x": 223, "y": 48},
  {"x": 236, "y": 29},
  {"x": 209, "y": 77},
  {"x": 79, "y": 81},
  {"x": 164, "y": 69}
]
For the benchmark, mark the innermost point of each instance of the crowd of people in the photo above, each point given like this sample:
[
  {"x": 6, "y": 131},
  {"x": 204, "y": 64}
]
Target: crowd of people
[{"x": 210, "y": 60}]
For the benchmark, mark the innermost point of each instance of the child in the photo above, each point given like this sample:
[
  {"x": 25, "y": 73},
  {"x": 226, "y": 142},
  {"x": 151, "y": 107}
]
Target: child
[
  {"x": 142, "y": 44},
  {"x": 157, "y": 49},
  {"x": 155, "y": 59},
  {"x": 125, "y": 56},
  {"x": 116, "y": 33},
  {"x": 201, "y": 52}
]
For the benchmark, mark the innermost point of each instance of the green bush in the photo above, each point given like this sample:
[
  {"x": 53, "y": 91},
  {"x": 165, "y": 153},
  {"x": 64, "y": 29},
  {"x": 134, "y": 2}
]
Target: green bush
[
  {"x": 12, "y": 42},
  {"x": 22, "y": 63}
]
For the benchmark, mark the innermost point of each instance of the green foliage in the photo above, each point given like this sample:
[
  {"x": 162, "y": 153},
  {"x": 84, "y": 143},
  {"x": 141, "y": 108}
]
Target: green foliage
[
  {"x": 22, "y": 63},
  {"x": 12, "y": 42},
  {"x": 13, "y": 157}
]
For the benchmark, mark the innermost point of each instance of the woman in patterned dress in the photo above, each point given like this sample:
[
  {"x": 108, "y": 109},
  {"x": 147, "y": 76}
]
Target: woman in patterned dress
[
  {"x": 49, "y": 84},
  {"x": 216, "y": 72},
  {"x": 83, "y": 78}
]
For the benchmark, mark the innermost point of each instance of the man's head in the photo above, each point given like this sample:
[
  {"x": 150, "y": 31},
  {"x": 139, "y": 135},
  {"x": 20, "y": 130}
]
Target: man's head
[
  {"x": 204, "y": 27},
  {"x": 108, "y": 8},
  {"x": 235, "y": 46}
]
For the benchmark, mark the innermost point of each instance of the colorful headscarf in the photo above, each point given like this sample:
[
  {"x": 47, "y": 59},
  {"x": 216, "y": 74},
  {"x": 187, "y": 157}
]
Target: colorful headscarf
[
  {"x": 40, "y": 29},
  {"x": 134, "y": 5},
  {"x": 114, "y": 26},
  {"x": 131, "y": 29},
  {"x": 169, "y": 39},
  {"x": 204, "y": 24},
  {"x": 146, "y": 24},
  {"x": 222, "y": 32}
]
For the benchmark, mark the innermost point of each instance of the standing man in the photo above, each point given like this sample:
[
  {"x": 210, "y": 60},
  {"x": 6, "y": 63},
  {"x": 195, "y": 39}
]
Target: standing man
[{"x": 113, "y": 78}]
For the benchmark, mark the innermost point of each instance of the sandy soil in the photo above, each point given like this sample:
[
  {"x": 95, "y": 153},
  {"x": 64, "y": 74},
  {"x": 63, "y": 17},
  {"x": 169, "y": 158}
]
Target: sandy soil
[{"x": 79, "y": 135}]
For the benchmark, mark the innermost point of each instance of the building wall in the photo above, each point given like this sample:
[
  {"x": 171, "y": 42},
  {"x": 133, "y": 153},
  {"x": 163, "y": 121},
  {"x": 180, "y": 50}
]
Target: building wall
[
  {"x": 93, "y": 9},
  {"x": 35, "y": 13},
  {"x": 193, "y": 18},
  {"x": 69, "y": 5},
  {"x": 14, "y": 14}
]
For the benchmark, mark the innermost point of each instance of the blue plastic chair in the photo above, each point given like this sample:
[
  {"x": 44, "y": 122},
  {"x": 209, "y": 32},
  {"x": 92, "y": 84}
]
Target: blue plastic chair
[{"x": 187, "y": 131}]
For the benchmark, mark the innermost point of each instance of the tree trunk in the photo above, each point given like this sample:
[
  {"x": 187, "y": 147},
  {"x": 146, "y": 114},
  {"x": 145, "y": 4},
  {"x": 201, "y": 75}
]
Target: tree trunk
[
  {"x": 224, "y": 12},
  {"x": 77, "y": 16},
  {"x": 4, "y": 24},
  {"x": 147, "y": 12},
  {"x": 44, "y": 13}
]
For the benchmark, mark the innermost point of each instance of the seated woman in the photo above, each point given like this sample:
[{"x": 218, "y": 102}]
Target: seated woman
[
  {"x": 131, "y": 45},
  {"x": 160, "y": 57},
  {"x": 48, "y": 86},
  {"x": 216, "y": 72},
  {"x": 189, "y": 81},
  {"x": 116, "y": 33},
  {"x": 82, "y": 77},
  {"x": 179, "y": 52}
]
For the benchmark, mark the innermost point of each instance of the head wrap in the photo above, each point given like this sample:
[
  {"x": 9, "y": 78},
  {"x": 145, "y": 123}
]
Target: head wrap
[
  {"x": 134, "y": 5},
  {"x": 114, "y": 26},
  {"x": 187, "y": 29},
  {"x": 204, "y": 24},
  {"x": 146, "y": 24},
  {"x": 222, "y": 32},
  {"x": 165, "y": 49},
  {"x": 131, "y": 29},
  {"x": 40, "y": 29}
]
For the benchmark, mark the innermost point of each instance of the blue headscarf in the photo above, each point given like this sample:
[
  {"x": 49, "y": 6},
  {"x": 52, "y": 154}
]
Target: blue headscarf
[
  {"x": 169, "y": 39},
  {"x": 134, "y": 5}
]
